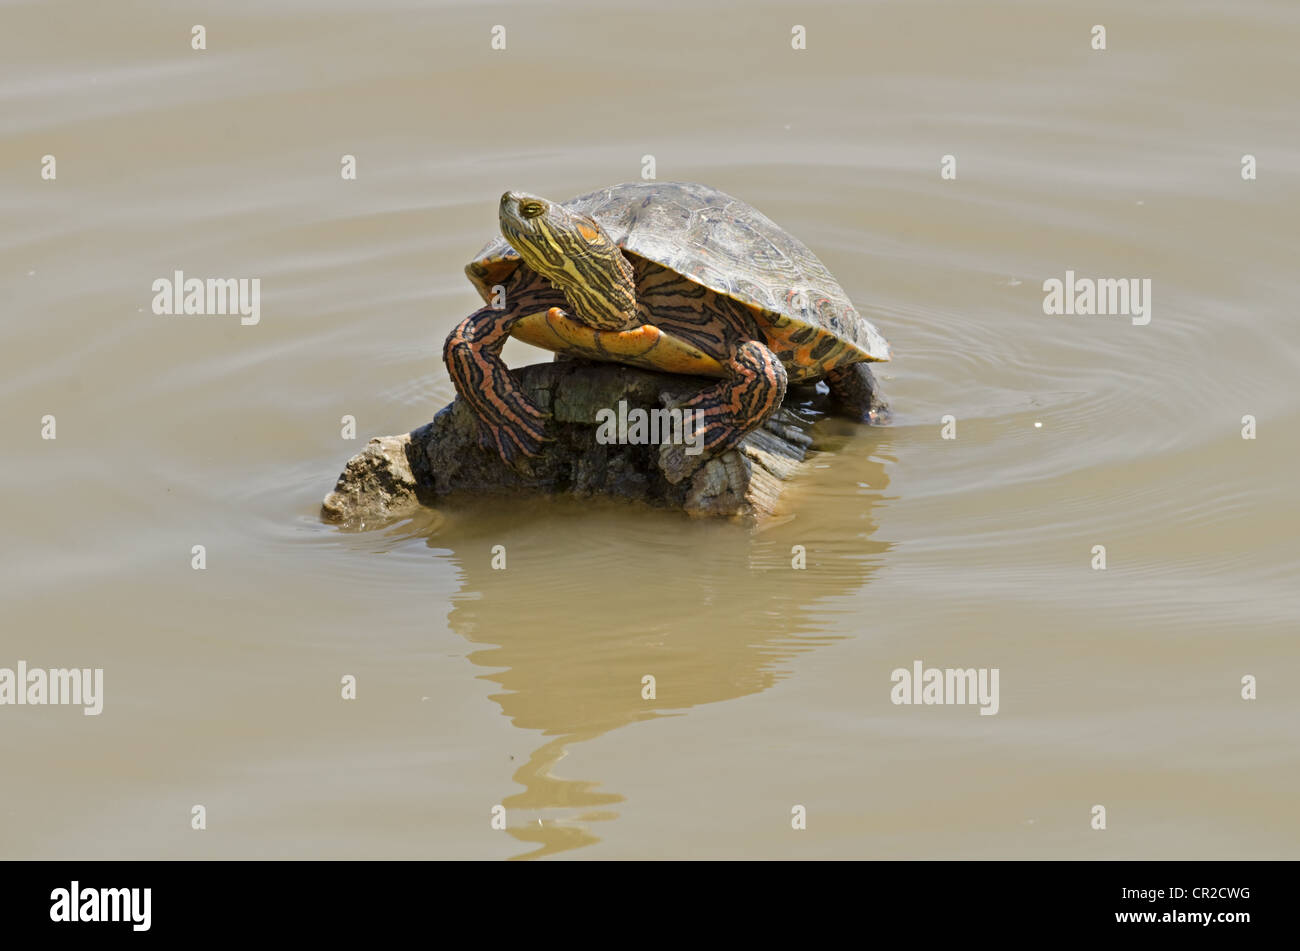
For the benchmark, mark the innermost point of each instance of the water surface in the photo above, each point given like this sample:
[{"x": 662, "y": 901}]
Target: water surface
[{"x": 523, "y": 687}]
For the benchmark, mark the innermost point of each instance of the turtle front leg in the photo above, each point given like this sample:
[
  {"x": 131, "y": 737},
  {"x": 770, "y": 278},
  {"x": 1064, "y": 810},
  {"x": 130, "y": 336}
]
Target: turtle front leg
[
  {"x": 725, "y": 413},
  {"x": 509, "y": 422}
]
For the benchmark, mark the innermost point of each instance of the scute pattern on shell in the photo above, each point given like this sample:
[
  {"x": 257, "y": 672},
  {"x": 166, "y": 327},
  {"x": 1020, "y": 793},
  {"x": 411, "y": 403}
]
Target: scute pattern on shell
[{"x": 719, "y": 242}]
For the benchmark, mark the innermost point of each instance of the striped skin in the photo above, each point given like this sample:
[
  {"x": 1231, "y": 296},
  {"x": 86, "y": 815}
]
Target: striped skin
[
  {"x": 691, "y": 280},
  {"x": 576, "y": 256},
  {"x": 510, "y": 424},
  {"x": 716, "y": 324},
  {"x": 692, "y": 317},
  {"x": 731, "y": 409},
  {"x": 712, "y": 239},
  {"x": 853, "y": 387}
]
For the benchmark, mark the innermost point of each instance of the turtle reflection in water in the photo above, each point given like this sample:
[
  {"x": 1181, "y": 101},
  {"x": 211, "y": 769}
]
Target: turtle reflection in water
[{"x": 667, "y": 276}]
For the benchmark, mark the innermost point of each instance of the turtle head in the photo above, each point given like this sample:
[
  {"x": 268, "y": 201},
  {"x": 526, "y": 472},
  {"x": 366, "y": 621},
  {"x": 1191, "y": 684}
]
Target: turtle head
[{"x": 575, "y": 254}]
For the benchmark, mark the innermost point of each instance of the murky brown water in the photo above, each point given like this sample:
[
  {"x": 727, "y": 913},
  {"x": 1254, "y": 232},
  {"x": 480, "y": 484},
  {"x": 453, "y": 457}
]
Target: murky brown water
[{"x": 522, "y": 687}]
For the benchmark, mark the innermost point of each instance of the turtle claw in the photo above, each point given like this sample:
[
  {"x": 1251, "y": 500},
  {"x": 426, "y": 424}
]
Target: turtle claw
[
  {"x": 517, "y": 444},
  {"x": 676, "y": 464}
]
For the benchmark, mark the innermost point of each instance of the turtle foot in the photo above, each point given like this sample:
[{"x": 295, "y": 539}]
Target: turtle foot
[
  {"x": 517, "y": 442},
  {"x": 718, "y": 417},
  {"x": 676, "y": 464},
  {"x": 857, "y": 395},
  {"x": 509, "y": 423}
]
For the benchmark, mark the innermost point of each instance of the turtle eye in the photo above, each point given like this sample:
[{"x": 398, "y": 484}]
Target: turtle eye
[{"x": 532, "y": 209}]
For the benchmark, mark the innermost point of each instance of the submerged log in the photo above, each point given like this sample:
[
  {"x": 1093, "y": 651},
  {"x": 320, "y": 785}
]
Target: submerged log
[{"x": 394, "y": 475}]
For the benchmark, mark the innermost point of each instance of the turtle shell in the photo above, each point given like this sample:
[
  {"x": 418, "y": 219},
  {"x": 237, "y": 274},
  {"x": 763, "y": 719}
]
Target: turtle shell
[{"x": 719, "y": 242}]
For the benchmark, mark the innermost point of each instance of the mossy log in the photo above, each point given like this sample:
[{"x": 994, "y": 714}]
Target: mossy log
[{"x": 443, "y": 459}]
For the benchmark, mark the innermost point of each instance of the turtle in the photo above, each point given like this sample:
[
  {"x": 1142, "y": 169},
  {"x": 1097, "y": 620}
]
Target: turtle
[{"x": 671, "y": 276}]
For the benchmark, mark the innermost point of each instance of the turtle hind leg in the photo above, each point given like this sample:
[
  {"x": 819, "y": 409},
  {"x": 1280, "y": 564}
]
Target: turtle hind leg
[
  {"x": 510, "y": 424},
  {"x": 855, "y": 391},
  {"x": 726, "y": 412}
]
